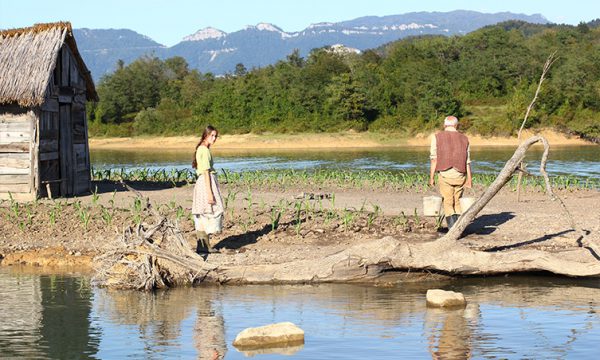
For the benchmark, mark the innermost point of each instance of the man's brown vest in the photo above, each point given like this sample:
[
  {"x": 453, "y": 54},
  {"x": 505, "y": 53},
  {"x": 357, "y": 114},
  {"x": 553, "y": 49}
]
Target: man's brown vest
[{"x": 451, "y": 149}]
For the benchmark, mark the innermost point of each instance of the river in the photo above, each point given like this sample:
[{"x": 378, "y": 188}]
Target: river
[
  {"x": 62, "y": 316},
  {"x": 580, "y": 161}
]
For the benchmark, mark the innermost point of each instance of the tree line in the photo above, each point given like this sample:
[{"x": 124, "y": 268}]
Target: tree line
[{"x": 486, "y": 77}]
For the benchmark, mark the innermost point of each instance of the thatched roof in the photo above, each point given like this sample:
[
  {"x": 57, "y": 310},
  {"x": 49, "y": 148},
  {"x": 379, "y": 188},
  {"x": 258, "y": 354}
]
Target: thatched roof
[{"x": 27, "y": 59}]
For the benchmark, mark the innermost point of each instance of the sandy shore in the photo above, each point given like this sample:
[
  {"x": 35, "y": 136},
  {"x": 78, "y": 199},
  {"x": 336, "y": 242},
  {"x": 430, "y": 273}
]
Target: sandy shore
[{"x": 345, "y": 140}]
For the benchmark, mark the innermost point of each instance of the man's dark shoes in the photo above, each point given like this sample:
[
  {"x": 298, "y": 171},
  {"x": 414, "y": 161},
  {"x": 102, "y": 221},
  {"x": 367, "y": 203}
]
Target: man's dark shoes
[{"x": 451, "y": 220}]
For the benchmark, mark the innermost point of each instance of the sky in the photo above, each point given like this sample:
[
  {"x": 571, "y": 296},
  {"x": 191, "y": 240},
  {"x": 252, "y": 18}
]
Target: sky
[{"x": 167, "y": 22}]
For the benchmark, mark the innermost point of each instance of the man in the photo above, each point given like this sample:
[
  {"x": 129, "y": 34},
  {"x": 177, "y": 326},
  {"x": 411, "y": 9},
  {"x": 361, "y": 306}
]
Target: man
[{"x": 450, "y": 158}]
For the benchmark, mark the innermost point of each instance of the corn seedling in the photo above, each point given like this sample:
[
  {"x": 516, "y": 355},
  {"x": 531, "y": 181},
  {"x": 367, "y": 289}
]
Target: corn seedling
[
  {"x": 95, "y": 196},
  {"x": 376, "y": 209},
  {"x": 14, "y": 206},
  {"x": 249, "y": 199},
  {"x": 308, "y": 207},
  {"x": 58, "y": 206},
  {"x": 137, "y": 205},
  {"x": 52, "y": 216},
  {"x": 172, "y": 204},
  {"x": 249, "y": 211},
  {"x": 229, "y": 200},
  {"x": 29, "y": 215},
  {"x": 347, "y": 218},
  {"x": 275, "y": 217},
  {"x": 107, "y": 216},
  {"x": 112, "y": 199},
  {"x": 179, "y": 213},
  {"x": 373, "y": 215},
  {"x": 137, "y": 219},
  {"x": 362, "y": 207},
  {"x": 85, "y": 217},
  {"x": 402, "y": 220},
  {"x": 417, "y": 217},
  {"x": 77, "y": 205}
]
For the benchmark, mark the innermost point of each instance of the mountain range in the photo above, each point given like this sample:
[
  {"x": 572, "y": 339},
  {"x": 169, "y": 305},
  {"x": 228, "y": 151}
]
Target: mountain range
[{"x": 213, "y": 50}]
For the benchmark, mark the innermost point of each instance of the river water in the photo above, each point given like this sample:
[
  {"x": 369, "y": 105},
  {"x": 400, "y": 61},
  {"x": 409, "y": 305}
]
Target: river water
[
  {"x": 516, "y": 317},
  {"x": 580, "y": 161}
]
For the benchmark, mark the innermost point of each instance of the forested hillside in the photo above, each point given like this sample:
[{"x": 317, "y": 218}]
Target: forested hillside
[{"x": 486, "y": 77}]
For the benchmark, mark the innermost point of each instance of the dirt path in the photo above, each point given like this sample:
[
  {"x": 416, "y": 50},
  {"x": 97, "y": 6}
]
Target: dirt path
[{"x": 33, "y": 237}]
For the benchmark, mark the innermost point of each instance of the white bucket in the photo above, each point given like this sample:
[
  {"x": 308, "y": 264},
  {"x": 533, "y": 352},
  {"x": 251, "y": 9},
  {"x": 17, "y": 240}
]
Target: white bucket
[
  {"x": 466, "y": 202},
  {"x": 209, "y": 223},
  {"x": 432, "y": 205}
]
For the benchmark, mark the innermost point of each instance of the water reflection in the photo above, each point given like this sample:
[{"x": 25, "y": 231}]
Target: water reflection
[
  {"x": 514, "y": 317},
  {"x": 183, "y": 320},
  {"x": 20, "y": 315},
  {"x": 209, "y": 331},
  {"x": 450, "y": 331},
  {"x": 66, "y": 330},
  {"x": 46, "y": 316}
]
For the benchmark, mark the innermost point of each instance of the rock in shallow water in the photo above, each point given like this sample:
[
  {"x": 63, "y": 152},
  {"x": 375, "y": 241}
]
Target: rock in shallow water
[
  {"x": 442, "y": 298},
  {"x": 271, "y": 335}
]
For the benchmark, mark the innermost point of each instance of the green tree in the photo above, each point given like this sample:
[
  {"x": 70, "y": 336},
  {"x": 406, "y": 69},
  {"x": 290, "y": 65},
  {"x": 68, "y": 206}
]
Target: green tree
[
  {"x": 346, "y": 103},
  {"x": 130, "y": 89}
]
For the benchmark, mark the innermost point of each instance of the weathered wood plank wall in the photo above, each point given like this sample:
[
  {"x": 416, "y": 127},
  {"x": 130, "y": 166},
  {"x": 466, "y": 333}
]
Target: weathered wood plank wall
[
  {"x": 15, "y": 156},
  {"x": 49, "y": 158}
]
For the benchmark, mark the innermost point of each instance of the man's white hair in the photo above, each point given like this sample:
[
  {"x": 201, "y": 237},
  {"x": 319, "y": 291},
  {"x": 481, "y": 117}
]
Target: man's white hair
[{"x": 450, "y": 121}]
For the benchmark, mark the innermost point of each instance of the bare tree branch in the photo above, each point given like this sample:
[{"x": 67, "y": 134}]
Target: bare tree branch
[{"x": 551, "y": 59}]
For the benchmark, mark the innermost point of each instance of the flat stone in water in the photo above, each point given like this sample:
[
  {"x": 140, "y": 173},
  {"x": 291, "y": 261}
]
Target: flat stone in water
[
  {"x": 442, "y": 298},
  {"x": 274, "y": 335}
]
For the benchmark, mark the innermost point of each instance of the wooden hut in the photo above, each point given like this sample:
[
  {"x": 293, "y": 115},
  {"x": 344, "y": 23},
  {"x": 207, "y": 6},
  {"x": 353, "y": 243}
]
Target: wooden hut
[{"x": 44, "y": 86}]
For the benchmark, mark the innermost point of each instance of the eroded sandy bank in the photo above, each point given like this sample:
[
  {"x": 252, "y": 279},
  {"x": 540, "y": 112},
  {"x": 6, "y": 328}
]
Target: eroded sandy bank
[{"x": 346, "y": 140}]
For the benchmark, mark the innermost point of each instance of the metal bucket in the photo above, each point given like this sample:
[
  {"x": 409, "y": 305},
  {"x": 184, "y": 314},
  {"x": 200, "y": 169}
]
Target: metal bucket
[
  {"x": 466, "y": 202},
  {"x": 432, "y": 205}
]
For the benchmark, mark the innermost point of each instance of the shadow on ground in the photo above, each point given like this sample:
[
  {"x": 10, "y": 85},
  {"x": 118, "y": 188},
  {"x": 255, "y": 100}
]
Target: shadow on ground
[
  {"x": 487, "y": 224},
  {"x": 238, "y": 241},
  {"x": 106, "y": 186},
  {"x": 529, "y": 242}
]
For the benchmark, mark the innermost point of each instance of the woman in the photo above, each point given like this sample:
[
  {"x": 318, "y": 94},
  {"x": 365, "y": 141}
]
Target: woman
[{"x": 207, "y": 207}]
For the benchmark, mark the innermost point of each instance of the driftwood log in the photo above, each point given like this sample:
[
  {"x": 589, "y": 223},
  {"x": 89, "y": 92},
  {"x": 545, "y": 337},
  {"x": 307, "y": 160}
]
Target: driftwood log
[{"x": 159, "y": 256}]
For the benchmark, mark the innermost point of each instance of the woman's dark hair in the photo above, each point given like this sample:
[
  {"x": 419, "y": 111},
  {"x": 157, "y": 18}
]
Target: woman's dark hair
[{"x": 209, "y": 129}]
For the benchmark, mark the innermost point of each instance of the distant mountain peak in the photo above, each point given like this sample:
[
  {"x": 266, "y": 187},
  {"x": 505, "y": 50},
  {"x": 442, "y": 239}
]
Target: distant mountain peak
[
  {"x": 321, "y": 24},
  {"x": 205, "y": 34},
  {"x": 264, "y": 27},
  {"x": 268, "y": 27}
]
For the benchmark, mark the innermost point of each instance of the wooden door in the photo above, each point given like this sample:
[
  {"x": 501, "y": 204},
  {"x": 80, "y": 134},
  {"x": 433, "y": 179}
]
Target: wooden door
[{"x": 67, "y": 168}]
